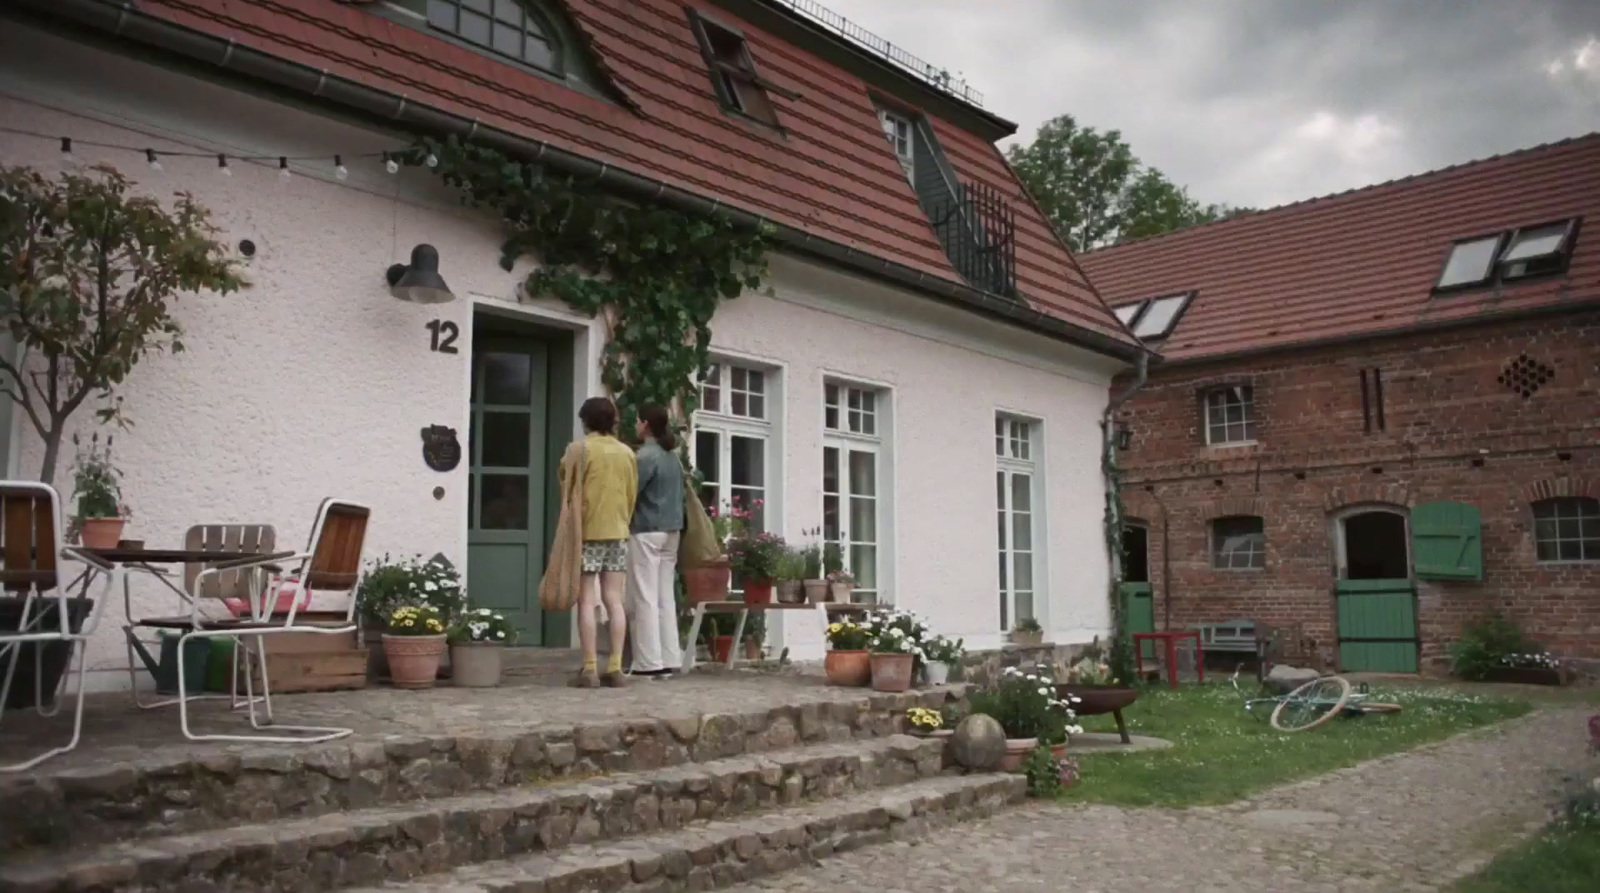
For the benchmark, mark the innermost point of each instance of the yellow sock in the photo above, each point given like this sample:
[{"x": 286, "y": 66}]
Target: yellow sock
[
  {"x": 588, "y": 665},
  {"x": 614, "y": 663}
]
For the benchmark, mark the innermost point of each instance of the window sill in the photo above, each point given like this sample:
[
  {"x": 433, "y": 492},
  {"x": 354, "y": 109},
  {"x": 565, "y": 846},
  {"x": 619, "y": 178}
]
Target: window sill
[
  {"x": 1238, "y": 570},
  {"x": 1570, "y": 562},
  {"x": 1231, "y": 445}
]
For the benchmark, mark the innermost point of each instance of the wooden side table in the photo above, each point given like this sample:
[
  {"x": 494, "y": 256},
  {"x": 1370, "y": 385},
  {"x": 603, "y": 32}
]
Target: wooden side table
[{"x": 1170, "y": 640}]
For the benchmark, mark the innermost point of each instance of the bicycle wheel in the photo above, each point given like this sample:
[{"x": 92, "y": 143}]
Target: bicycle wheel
[
  {"x": 1375, "y": 707},
  {"x": 1311, "y": 704}
]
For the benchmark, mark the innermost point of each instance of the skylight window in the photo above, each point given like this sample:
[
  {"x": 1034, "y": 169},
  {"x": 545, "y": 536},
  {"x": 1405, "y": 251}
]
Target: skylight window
[
  {"x": 897, "y": 128},
  {"x": 739, "y": 87},
  {"x": 1517, "y": 254},
  {"x": 1154, "y": 318}
]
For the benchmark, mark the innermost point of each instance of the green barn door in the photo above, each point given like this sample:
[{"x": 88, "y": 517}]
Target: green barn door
[
  {"x": 506, "y": 502},
  {"x": 1376, "y": 601},
  {"x": 1138, "y": 600}
]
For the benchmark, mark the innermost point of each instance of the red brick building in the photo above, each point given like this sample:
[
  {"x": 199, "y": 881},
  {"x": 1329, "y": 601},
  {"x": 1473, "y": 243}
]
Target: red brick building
[{"x": 1376, "y": 414}]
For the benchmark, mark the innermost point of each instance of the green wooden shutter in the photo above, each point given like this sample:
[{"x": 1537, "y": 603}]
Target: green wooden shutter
[{"x": 1447, "y": 541}]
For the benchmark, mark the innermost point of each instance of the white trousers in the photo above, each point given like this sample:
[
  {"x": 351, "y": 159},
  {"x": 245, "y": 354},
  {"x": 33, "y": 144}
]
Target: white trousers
[{"x": 652, "y": 610}]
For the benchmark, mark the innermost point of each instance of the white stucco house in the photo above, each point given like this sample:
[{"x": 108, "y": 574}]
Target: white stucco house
[{"x": 929, "y": 359}]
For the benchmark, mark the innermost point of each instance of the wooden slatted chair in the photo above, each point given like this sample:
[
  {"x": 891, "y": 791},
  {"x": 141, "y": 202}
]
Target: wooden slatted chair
[
  {"x": 236, "y": 584},
  {"x": 330, "y": 563},
  {"x": 32, "y": 555}
]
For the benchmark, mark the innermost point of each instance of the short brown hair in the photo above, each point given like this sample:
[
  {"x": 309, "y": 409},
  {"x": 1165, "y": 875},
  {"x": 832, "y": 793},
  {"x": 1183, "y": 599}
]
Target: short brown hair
[{"x": 599, "y": 415}]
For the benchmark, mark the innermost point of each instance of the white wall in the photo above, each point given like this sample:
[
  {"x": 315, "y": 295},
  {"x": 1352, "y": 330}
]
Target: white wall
[{"x": 316, "y": 382}]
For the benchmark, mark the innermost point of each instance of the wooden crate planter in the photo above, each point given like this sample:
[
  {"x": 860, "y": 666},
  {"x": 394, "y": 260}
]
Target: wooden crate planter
[
  {"x": 1525, "y": 675},
  {"x": 315, "y": 661}
]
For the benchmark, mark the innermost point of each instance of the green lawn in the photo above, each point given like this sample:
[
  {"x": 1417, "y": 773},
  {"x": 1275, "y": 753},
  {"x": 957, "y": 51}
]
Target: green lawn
[
  {"x": 1562, "y": 859},
  {"x": 1221, "y": 753}
]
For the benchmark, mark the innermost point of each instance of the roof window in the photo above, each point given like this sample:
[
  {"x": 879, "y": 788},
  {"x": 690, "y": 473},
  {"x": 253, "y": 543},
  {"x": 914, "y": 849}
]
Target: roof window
[
  {"x": 508, "y": 27},
  {"x": 739, "y": 87},
  {"x": 1154, "y": 318},
  {"x": 1509, "y": 256},
  {"x": 902, "y": 139}
]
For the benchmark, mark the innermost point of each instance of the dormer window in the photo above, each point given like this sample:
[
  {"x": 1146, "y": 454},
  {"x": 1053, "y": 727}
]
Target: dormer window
[
  {"x": 512, "y": 28},
  {"x": 1509, "y": 256},
  {"x": 902, "y": 139},
  {"x": 739, "y": 87},
  {"x": 1155, "y": 318}
]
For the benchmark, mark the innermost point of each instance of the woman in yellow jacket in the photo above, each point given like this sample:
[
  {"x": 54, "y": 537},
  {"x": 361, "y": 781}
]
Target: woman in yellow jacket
[{"x": 610, "y": 482}]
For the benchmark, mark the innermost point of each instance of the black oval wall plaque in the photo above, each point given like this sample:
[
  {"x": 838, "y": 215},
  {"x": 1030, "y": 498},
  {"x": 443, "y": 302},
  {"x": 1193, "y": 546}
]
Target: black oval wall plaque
[{"x": 440, "y": 449}]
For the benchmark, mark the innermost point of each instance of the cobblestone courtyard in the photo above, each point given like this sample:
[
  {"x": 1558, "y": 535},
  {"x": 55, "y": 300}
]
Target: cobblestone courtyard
[{"x": 1409, "y": 822}]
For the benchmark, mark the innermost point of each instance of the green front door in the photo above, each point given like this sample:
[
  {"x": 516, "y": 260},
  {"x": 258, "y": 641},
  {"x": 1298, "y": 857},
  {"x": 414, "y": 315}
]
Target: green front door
[
  {"x": 1377, "y": 626},
  {"x": 507, "y": 446},
  {"x": 1139, "y": 608}
]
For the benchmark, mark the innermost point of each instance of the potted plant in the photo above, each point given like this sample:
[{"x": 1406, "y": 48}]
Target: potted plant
[
  {"x": 840, "y": 586},
  {"x": 814, "y": 580},
  {"x": 718, "y": 646},
  {"x": 927, "y": 723},
  {"x": 413, "y": 644},
  {"x": 478, "y": 639},
  {"x": 1027, "y": 707},
  {"x": 713, "y": 580},
  {"x": 940, "y": 654},
  {"x": 915, "y": 630},
  {"x": 1494, "y": 648},
  {"x": 893, "y": 655},
  {"x": 791, "y": 571},
  {"x": 755, "y": 635},
  {"x": 848, "y": 662},
  {"x": 755, "y": 561},
  {"x": 389, "y": 583},
  {"x": 101, "y": 515},
  {"x": 1027, "y": 633},
  {"x": 1529, "y": 668}
]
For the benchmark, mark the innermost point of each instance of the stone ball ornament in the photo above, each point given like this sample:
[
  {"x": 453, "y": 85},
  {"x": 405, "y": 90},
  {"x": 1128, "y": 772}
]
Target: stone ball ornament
[{"x": 979, "y": 743}]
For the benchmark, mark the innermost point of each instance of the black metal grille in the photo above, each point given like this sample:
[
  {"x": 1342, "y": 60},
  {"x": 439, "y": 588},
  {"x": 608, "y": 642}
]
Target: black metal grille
[{"x": 978, "y": 230}]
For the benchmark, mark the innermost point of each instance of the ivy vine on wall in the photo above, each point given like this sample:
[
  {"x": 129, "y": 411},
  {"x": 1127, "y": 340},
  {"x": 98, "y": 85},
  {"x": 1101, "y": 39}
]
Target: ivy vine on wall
[{"x": 655, "y": 274}]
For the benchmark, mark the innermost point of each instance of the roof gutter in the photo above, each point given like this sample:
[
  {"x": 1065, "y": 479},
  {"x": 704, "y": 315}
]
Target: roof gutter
[{"x": 125, "y": 22}]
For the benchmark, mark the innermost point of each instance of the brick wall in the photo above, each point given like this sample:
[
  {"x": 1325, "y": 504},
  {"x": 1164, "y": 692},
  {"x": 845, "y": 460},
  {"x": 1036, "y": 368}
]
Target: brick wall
[{"x": 1451, "y": 431}]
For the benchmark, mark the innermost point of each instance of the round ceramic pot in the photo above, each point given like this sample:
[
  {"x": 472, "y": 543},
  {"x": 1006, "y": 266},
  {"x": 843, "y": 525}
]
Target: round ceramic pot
[
  {"x": 758, "y": 592},
  {"x": 708, "y": 582},
  {"x": 848, "y": 668},
  {"x": 816, "y": 591},
  {"x": 936, "y": 733},
  {"x": 101, "y": 533},
  {"x": 938, "y": 673},
  {"x": 1017, "y": 750},
  {"x": 840, "y": 592},
  {"x": 892, "y": 672},
  {"x": 1059, "y": 751},
  {"x": 790, "y": 593},
  {"x": 476, "y": 664},
  {"x": 413, "y": 660}
]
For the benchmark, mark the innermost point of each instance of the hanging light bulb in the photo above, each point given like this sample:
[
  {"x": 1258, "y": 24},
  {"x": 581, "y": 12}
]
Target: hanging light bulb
[
  {"x": 283, "y": 168},
  {"x": 432, "y": 160},
  {"x": 339, "y": 170},
  {"x": 389, "y": 164},
  {"x": 66, "y": 150},
  {"x": 150, "y": 156},
  {"x": 222, "y": 165}
]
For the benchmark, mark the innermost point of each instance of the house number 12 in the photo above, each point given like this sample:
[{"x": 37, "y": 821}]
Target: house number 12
[{"x": 444, "y": 334}]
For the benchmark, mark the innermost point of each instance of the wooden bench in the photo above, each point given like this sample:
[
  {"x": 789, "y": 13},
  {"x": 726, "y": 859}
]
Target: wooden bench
[{"x": 1230, "y": 635}]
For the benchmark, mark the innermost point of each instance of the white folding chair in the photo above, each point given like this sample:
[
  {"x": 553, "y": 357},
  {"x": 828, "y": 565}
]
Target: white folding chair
[
  {"x": 330, "y": 563},
  {"x": 31, "y": 558}
]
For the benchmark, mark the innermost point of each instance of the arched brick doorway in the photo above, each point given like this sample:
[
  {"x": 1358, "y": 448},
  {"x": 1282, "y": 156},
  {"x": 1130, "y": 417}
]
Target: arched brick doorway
[{"x": 1374, "y": 595}]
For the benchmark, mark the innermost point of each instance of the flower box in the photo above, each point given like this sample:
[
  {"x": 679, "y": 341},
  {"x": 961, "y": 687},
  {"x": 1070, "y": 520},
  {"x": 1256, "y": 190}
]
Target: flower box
[{"x": 1524, "y": 675}]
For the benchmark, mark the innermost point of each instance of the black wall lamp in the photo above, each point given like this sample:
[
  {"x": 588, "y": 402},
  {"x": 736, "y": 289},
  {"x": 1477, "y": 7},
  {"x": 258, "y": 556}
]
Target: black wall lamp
[
  {"x": 1124, "y": 436},
  {"x": 420, "y": 283}
]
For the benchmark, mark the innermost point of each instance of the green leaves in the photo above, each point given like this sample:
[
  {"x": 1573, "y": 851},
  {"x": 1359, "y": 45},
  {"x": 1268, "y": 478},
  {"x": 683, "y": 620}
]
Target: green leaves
[{"x": 661, "y": 273}]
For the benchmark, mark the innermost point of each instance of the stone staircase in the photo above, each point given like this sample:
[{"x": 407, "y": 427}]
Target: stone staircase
[{"x": 657, "y": 805}]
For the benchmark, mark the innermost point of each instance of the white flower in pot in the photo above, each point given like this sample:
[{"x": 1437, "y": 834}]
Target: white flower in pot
[{"x": 477, "y": 646}]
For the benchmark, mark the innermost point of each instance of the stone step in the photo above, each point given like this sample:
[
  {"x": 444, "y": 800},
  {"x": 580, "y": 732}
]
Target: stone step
[
  {"x": 217, "y": 787},
  {"x": 722, "y": 853},
  {"x": 404, "y": 840}
]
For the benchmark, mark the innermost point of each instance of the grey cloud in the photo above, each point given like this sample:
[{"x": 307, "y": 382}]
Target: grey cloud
[{"x": 1258, "y": 103}]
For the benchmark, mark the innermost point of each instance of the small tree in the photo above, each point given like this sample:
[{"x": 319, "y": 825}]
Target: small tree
[{"x": 87, "y": 276}]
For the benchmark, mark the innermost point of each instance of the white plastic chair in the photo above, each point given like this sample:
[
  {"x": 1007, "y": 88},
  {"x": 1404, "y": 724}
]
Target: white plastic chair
[{"x": 31, "y": 558}]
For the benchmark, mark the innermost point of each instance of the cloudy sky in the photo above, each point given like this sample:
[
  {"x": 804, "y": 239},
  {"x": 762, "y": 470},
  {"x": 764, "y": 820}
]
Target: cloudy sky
[{"x": 1260, "y": 102}]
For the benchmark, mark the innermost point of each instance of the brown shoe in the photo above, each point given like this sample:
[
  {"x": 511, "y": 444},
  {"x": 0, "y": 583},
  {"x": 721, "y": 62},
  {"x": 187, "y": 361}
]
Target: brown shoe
[
  {"x": 585, "y": 679},
  {"x": 614, "y": 680}
]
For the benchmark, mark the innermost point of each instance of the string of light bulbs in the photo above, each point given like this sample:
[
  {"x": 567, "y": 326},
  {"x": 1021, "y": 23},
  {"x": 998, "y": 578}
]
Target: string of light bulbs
[{"x": 390, "y": 158}]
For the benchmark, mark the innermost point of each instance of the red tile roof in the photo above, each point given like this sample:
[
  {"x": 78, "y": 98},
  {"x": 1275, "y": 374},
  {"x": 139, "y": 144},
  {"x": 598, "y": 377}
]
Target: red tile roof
[
  {"x": 1362, "y": 262},
  {"x": 832, "y": 175}
]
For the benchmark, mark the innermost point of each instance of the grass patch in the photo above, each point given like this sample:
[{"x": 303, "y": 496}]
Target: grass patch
[
  {"x": 1220, "y": 753},
  {"x": 1564, "y": 858}
]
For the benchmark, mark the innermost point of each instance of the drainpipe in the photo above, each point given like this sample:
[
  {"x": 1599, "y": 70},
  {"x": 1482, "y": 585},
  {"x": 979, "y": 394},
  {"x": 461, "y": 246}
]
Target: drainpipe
[{"x": 1113, "y": 515}]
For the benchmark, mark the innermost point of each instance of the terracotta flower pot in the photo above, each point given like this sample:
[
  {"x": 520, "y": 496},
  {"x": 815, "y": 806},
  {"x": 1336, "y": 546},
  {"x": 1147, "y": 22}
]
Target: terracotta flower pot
[
  {"x": 101, "y": 533},
  {"x": 790, "y": 593},
  {"x": 758, "y": 592},
  {"x": 1059, "y": 751},
  {"x": 840, "y": 592},
  {"x": 1027, "y": 639},
  {"x": 721, "y": 649},
  {"x": 752, "y": 649},
  {"x": 476, "y": 664},
  {"x": 892, "y": 672},
  {"x": 413, "y": 660},
  {"x": 848, "y": 668},
  {"x": 816, "y": 591},
  {"x": 1017, "y": 750},
  {"x": 708, "y": 582}
]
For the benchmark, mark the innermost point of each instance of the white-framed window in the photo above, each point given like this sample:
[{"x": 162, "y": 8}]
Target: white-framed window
[
  {"x": 1019, "y": 509},
  {"x": 898, "y": 130},
  {"x": 734, "y": 432},
  {"x": 1230, "y": 415},
  {"x": 1567, "y": 528},
  {"x": 1239, "y": 543},
  {"x": 856, "y": 501}
]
